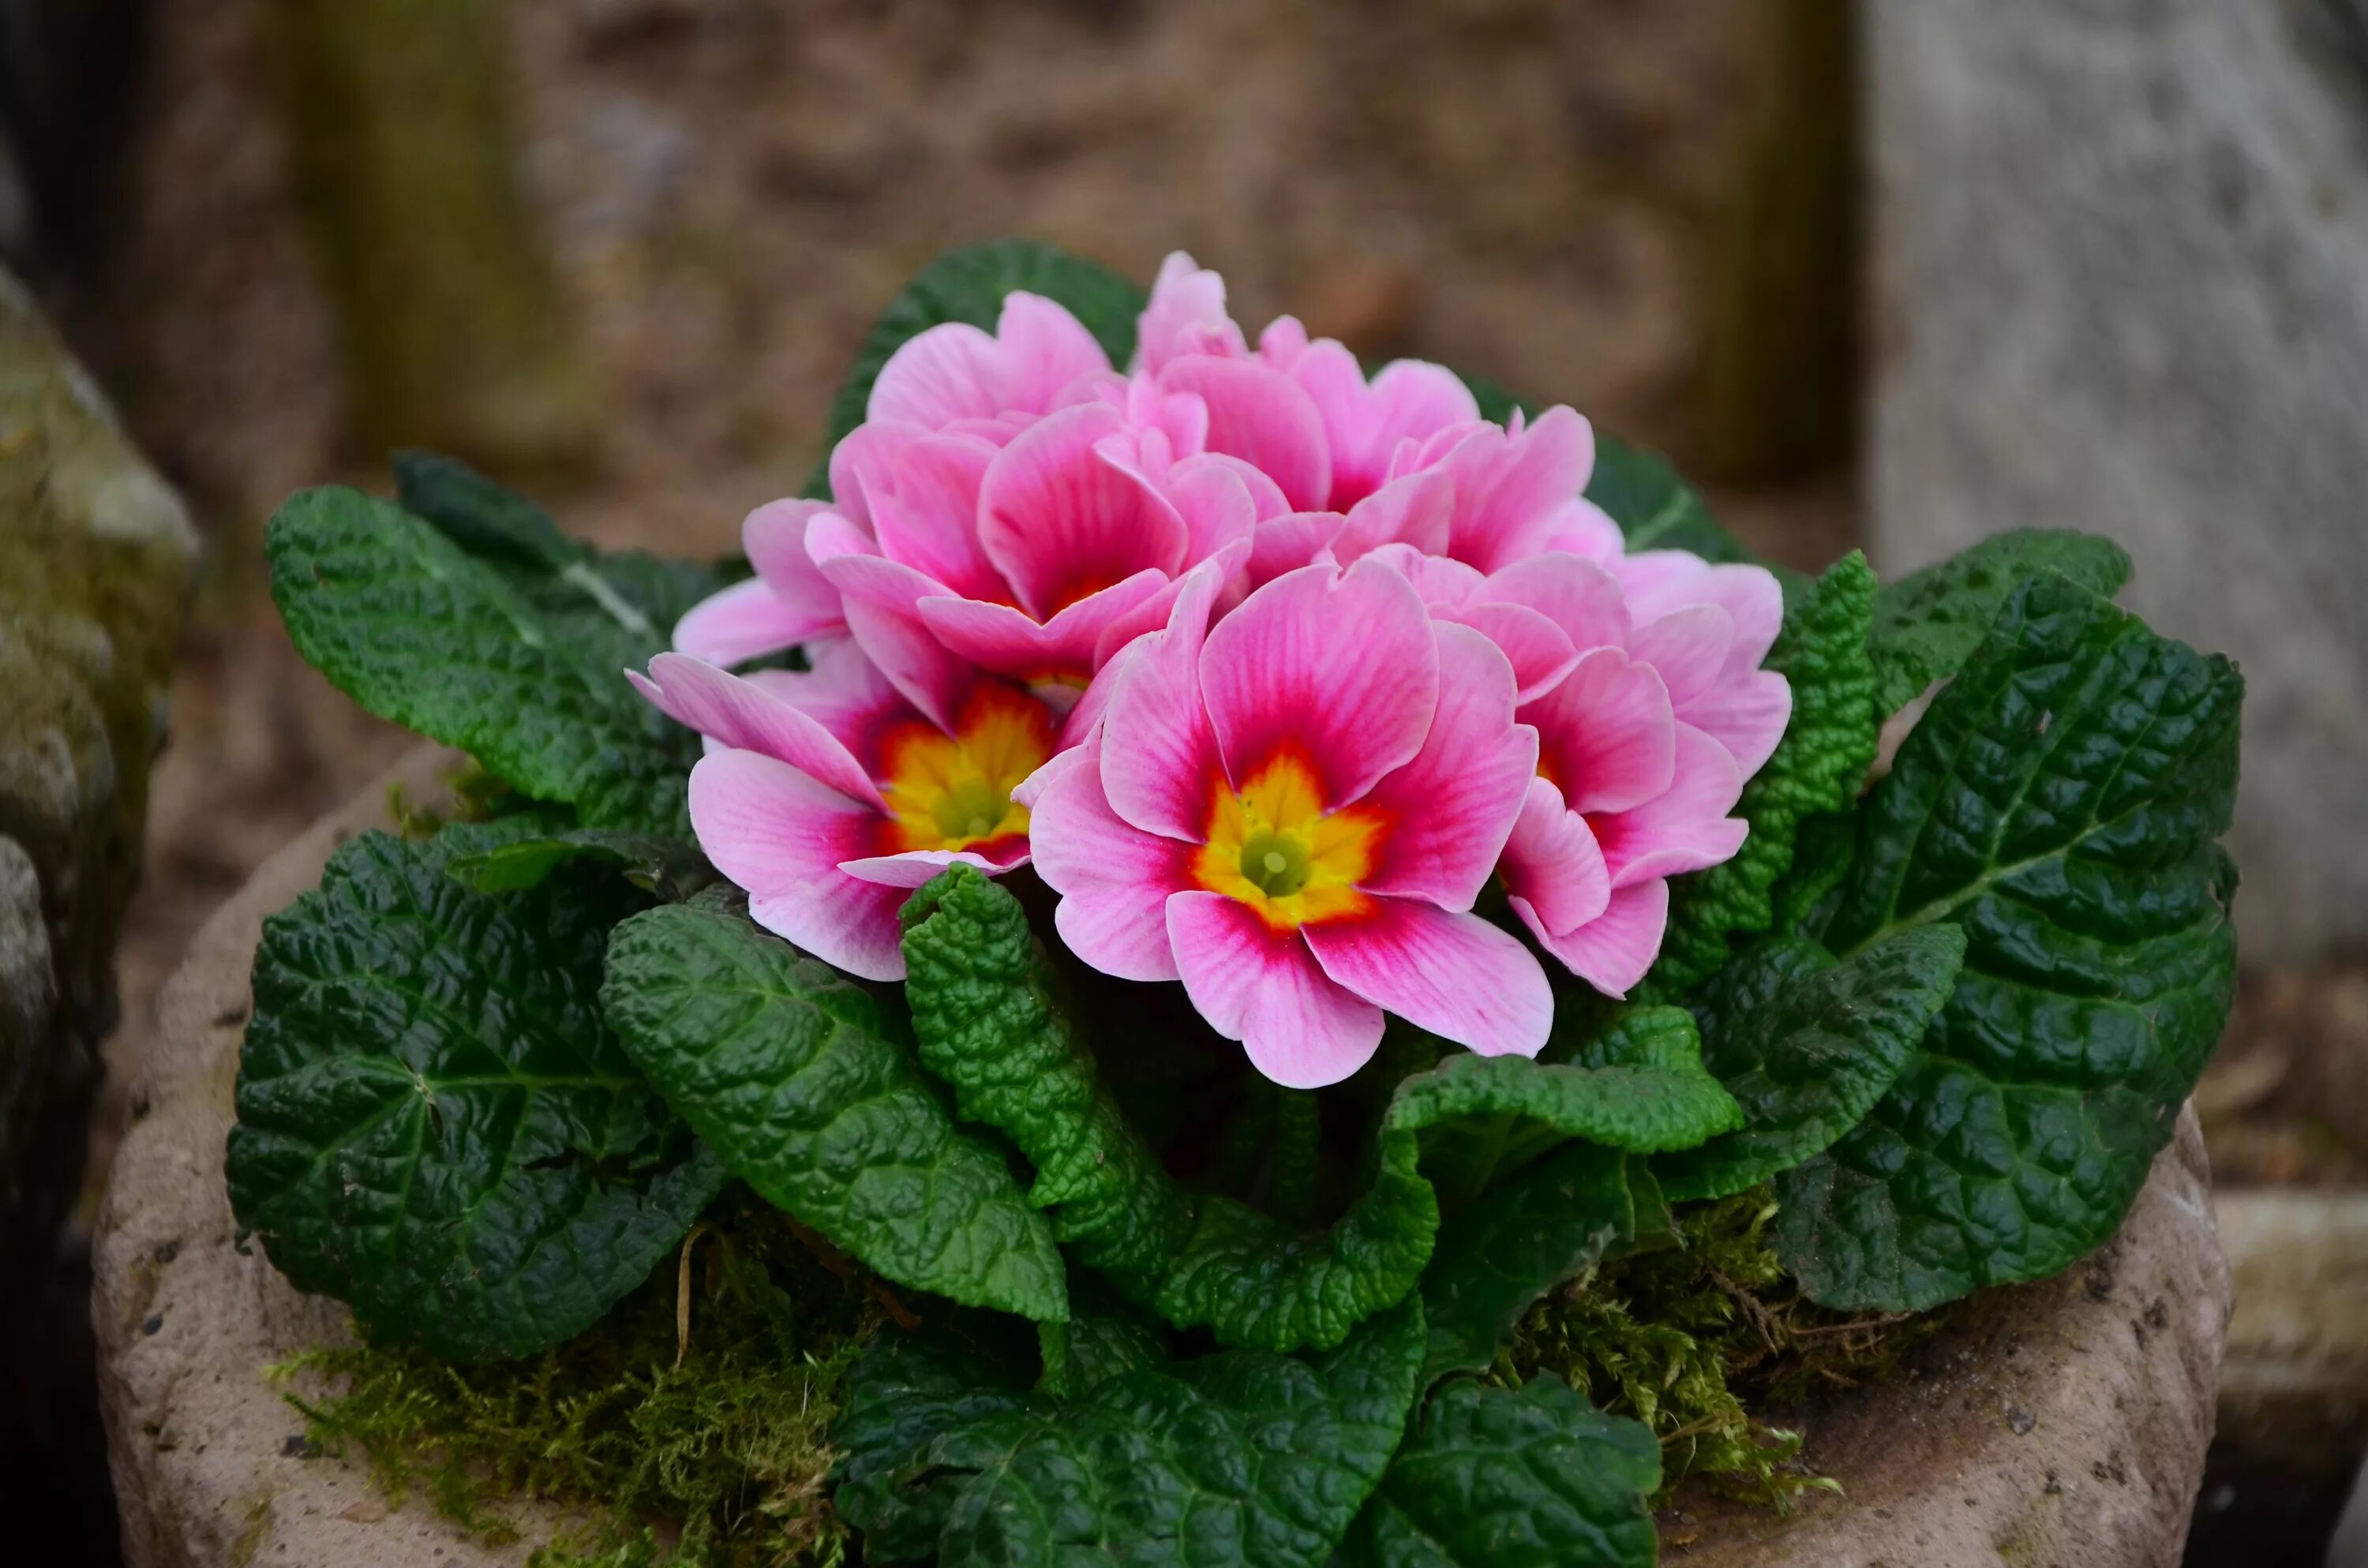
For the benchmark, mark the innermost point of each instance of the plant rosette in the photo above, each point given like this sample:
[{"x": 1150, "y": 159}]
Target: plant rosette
[{"x": 1229, "y": 894}]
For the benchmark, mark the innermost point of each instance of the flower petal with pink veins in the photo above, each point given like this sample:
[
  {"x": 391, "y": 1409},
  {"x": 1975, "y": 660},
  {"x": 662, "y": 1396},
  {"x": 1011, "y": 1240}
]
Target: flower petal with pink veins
[
  {"x": 1215, "y": 575},
  {"x": 1541, "y": 654},
  {"x": 1686, "y": 827},
  {"x": 1606, "y": 733},
  {"x": 1365, "y": 422},
  {"x": 950, "y": 371},
  {"x": 1745, "y": 713},
  {"x": 774, "y": 537},
  {"x": 744, "y": 716},
  {"x": 1261, "y": 986},
  {"x": 1338, "y": 667},
  {"x": 1751, "y": 597},
  {"x": 1004, "y": 640},
  {"x": 1416, "y": 510},
  {"x": 1575, "y": 594},
  {"x": 927, "y": 516},
  {"x": 1451, "y": 808},
  {"x": 1185, "y": 315},
  {"x": 1612, "y": 952},
  {"x": 1553, "y": 864},
  {"x": 1442, "y": 584},
  {"x": 1688, "y": 646},
  {"x": 780, "y": 836},
  {"x": 1158, "y": 754},
  {"x": 1291, "y": 542},
  {"x": 846, "y": 694},
  {"x": 1209, "y": 493},
  {"x": 883, "y": 600},
  {"x": 912, "y": 868},
  {"x": 1507, "y": 480},
  {"x": 1261, "y": 416},
  {"x": 1060, "y": 521},
  {"x": 748, "y": 621},
  {"x": 1113, "y": 878},
  {"x": 862, "y": 462},
  {"x": 1451, "y": 973},
  {"x": 1045, "y": 351}
]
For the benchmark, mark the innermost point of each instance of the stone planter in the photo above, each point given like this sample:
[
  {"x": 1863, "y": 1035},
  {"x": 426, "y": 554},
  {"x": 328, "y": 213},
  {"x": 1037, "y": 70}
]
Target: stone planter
[{"x": 2062, "y": 1424}]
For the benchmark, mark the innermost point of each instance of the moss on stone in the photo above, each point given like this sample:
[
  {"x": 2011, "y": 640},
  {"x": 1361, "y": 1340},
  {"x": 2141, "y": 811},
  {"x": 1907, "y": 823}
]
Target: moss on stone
[
  {"x": 1681, "y": 1337},
  {"x": 704, "y": 1449}
]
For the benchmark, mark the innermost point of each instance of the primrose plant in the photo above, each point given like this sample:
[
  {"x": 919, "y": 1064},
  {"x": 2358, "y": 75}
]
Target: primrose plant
[{"x": 1224, "y": 880}]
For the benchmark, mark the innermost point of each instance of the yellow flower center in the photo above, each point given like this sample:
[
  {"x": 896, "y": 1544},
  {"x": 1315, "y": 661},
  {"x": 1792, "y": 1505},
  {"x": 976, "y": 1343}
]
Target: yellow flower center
[
  {"x": 954, "y": 791},
  {"x": 1274, "y": 847}
]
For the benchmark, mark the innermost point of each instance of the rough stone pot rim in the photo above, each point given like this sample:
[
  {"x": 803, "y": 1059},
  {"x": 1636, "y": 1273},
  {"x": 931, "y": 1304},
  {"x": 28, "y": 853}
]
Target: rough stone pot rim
[{"x": 2061, "y": 1423}]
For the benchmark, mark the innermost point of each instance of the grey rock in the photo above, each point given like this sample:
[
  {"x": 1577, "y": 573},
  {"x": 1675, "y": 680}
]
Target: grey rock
[
  {"x": 2102, "y": 1477},
  {"x": 2121, "y": 280}
]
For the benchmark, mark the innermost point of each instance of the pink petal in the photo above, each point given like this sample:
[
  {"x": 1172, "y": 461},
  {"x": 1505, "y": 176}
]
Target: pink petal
[
  {"x": 1540, "y": 652},
  {"x": 1002, "y": 639},
  {"x": 1262, "y": 417},
  {"x": 1442, "y": 584},
  {"x": 1112, "y": 878},
  {"x": 1745, "y": 713},
  {"x": 1552, "y": 865},
  {"x": 1045, "y": 351},
  {"x": 1504, "y": 482},
  {"x": 1576, "y": 595},
  {"x": 1683, "y": 829},
  {"x": 1215, "y": 575},
  {"x": 1267, "y": 499},
  {"x": 1612, "y": 951},
  {"x": 1688, "y": 646},
  {"x": 780, "y": 836},
  {"x": 1060, "y": 521},
  {"x": 846, "y": 694},
  {"x": 1209, "y": 493},
  {"x": 883, "y": 600},
  {"x": 774, "y": 538},
  {"x": 746, "y": 717},
  {"x": 950, "y": 371},
  {"x": 1606, "y": 733},
  {"x": 1451, "y": 973},
  {"x": 912, "y": 868},
  {"x": 928, "y": 518},
  {"x": 1185, "y": 315},
  {"x": 1339, "y": 668},
  {"x": 1451, "y": 807},
  {"x": 1751, "y": 597},
  {"x": 1417, "y": 510},
  {"x": 746, "y": 620},
  {"x": 1158, "y": 754},
  {"x": 1289, "y": 542},
  {"x": 1264, "y": 988}
]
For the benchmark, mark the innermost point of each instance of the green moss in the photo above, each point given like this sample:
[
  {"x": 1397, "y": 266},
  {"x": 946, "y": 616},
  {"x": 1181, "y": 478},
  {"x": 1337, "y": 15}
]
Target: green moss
[
  {"x": 1680, "y": 1337},
  {"x": 709, "y": 1451}
]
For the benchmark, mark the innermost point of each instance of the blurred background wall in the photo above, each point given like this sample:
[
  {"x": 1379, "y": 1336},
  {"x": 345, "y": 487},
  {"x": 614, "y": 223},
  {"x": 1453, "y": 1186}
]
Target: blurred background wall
[{"x": 2104, "y": 259}]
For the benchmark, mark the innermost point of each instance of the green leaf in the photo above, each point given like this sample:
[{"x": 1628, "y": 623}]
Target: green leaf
[
  {"x": 1807, "y": 1046},
  {"x": 2061, "y": 801},
  {"x": 1492, "y": 1479},
  {"x": 1549, "y": 1222},
  {"x": 523, "y": 670},
  {"x": 1643, "y": 1037},
  {"x": 968, "y": 285},
  {"x": 909, "y": 1392},
  {"x": 434, "y": 1123},
  {"x": 482, "y": 518},
  {"x": 1816, "y": 768},
  {"x": 1657, "y": 510},
  {"x": 1929, "y": 623},
  {"x": 671, "y": 868},
  {"x": 799, "y": 1078},
  {"x": 1243, "y": 1457}
]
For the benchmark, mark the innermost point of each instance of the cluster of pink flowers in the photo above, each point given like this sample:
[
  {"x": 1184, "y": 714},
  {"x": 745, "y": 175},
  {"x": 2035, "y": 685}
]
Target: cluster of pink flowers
[{"x": 1269, "y": 667}]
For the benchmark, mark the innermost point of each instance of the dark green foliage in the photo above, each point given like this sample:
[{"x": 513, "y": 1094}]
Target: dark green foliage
[
  {"x": 1529, "y": 1478},
  {"x": 433, "y": 1122},
  {"x": 521, "y": 667},
  {"x": 968, "y": 285},
  {"x": 2062, "y": 802},
  {"x": 1929, "y": 623},
  {"x": 1807, "y": 1046},
  {"x": 1241, "y": 1457},
  {"x": 667, "y": 869},
  {"x": 806, "y": 1087}
]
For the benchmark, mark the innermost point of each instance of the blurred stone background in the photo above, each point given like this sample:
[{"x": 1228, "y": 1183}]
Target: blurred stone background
[{"x": 619, "y": 251}]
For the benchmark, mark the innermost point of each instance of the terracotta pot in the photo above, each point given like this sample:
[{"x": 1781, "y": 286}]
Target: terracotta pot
[{"x": 2061, "y": 1425}]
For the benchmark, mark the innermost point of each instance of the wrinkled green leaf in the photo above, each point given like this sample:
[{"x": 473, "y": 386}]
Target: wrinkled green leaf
[
  {"x": 802, "y": 1081},
  {"x": 1929, "y": 623},
  {"x": 968, "y": 285},
  {"x": 671, "y": 868},
  {"x": 1239, "y": 1458},
  {"x": 908, "y": 1391},
  {"x": 1640, "y": 1037},
  {"x": 1816, "y": 768},
  {"x": 2062, "y": 802},
  {"x": 433, "y": 1122},
  {"x": 1807, "y": 1046},
  {"x": 1547, "y": 1223},
  {"x": 521, "y": 669},
  {"x": 481, "y": 517},
  {"x": 1492, "y": 1479}
]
